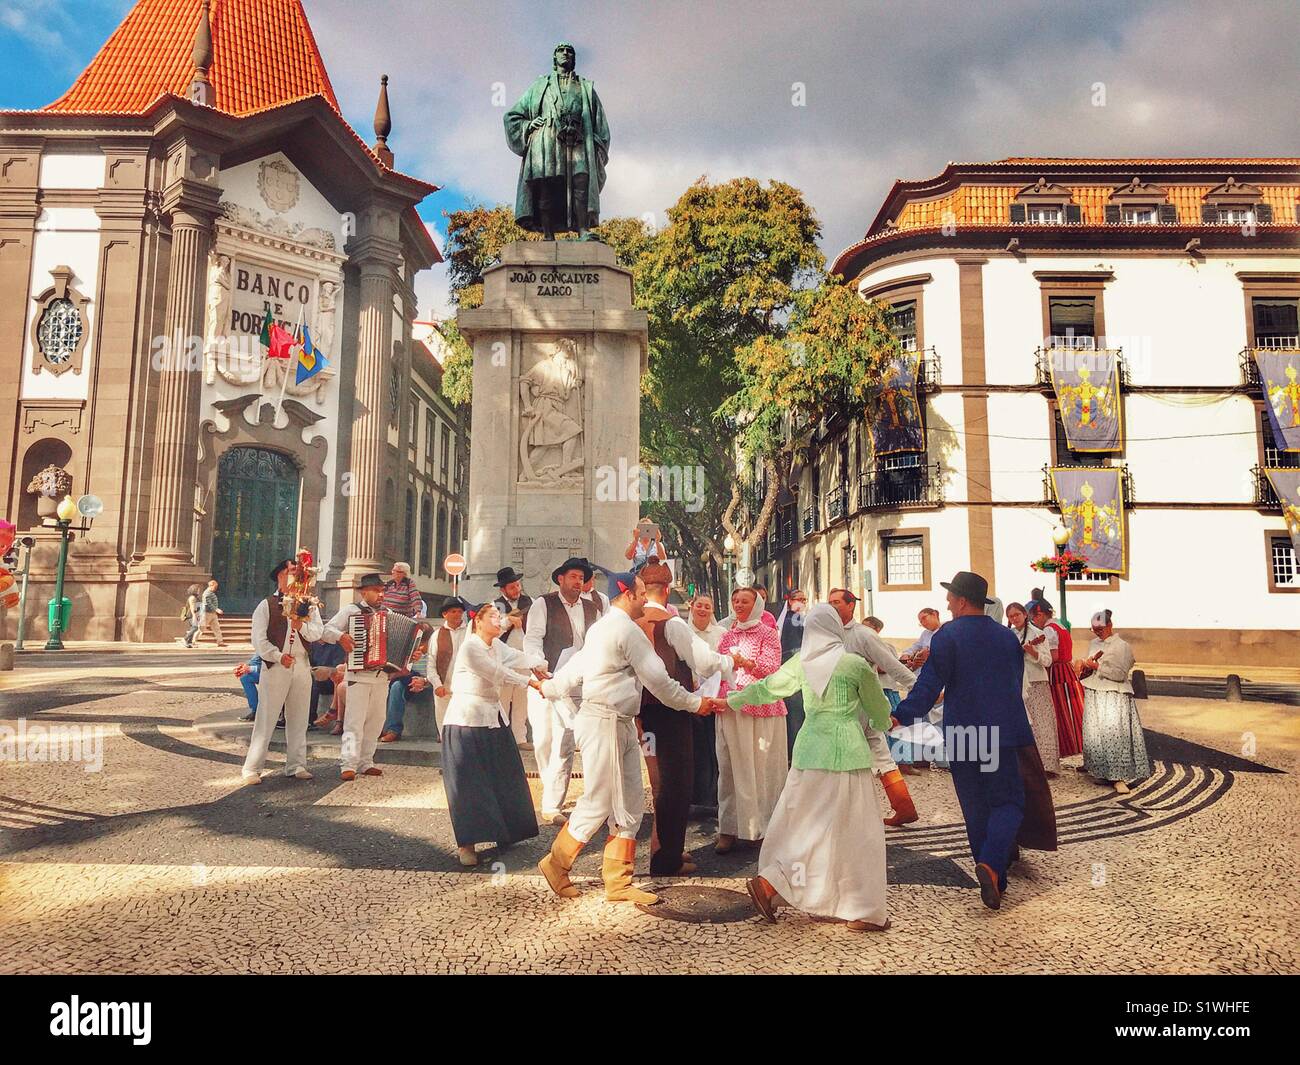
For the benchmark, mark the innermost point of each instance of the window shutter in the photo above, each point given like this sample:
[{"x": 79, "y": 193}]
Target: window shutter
[
  {"x": 1168, "y": 212},
  {"x": 1297, "y": 214},
  {"x": 1073, "y": 213},
  {"x": 1263, "y": 212},
  {"x": 1017, "y": 212},
  {"x": 1209, "y": 213},
  {"x": 1112, "y": 214}
]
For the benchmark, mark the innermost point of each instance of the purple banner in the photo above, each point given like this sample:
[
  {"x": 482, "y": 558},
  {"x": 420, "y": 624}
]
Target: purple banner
[
  {"x": 1092, "y": 508},
  {"x": 1278, "y": 371},
  {"x": 1286, "y": 483},
  {"x": 1087, "y": 395},
  {"x": 897, "y": 424}
]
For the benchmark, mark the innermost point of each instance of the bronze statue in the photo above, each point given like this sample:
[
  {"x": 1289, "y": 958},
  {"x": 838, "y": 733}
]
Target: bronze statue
[{"x": 559, "y": 128}]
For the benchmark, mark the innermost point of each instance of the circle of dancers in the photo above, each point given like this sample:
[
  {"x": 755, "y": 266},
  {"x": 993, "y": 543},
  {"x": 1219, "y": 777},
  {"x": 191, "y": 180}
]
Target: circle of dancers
[{"x": 797, "y": 716}]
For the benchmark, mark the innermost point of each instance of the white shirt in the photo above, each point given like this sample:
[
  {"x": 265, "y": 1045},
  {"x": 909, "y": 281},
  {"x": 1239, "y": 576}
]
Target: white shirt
[
  {"x": 537, "y": 625},
  {"x": 457, "y": 639},
  {"x": 1037, "y": 663},
  {"x": 477, "y": 678},
  {"x": 922, "y": 642},
  {"x": 702, "y": 659},
  {"x": 861, "y": 640},
  {"x": 598, "y": 597},
  {"x": 614, "y": 663},
  {"x": 1117, "y": 662},
  {"x": 515, "y": 636},
  {"x": 312, "y": 630}
]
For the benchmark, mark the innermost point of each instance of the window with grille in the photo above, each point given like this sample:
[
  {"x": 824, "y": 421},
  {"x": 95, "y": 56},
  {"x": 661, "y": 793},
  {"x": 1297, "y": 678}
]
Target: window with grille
[
  {"x": 1072, "y": 322},
  {"x": 1277, "y": 322},
  {"x": 1045, "y": 216},
  {"x": 1237, "y": 216},
  {"x": 1282, "y": 561},
  {"x": 904, "y": 560},
  {"x": 1139, "y": 216},
  {"x": 902, "y": 323},
  {"x": 446, "y": 452},
  {"x": 1274, "y": 454},
  {"x": 1091, "y": 578}
]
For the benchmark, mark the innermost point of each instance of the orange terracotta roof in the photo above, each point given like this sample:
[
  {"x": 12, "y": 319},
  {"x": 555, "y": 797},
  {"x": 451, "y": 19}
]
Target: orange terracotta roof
[
  {"x": 263, "y": 55},
  {"x": 1027, "y": 160}
]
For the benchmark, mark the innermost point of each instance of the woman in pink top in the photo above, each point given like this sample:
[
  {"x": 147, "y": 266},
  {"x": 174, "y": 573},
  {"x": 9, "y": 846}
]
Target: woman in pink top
[{"x": 753, "y": 759}]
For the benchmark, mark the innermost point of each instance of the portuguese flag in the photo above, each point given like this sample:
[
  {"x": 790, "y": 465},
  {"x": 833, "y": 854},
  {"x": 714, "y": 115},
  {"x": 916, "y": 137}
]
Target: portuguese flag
[{"x": 277, "y": 340}]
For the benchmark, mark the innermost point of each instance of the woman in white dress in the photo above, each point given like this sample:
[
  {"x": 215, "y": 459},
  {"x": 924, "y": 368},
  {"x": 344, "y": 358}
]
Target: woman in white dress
[
  {"x": 1114, "y": 745},
  {"x": 1037, "y": 687},
  {"x": 482, "y": 773}
]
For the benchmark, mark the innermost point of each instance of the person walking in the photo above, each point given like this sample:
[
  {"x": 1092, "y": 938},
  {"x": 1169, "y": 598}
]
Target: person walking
[
  {"x": 979, "y": 666},
  {"x": 210, "y": 614},
  {"x": 193, "y": 611},
  {"x": 1114, "y": 745}
]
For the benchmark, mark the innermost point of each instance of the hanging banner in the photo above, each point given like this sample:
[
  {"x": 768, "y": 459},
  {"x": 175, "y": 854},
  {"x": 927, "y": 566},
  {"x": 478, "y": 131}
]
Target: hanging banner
[
  {"x": 1092, "y": 508},
  {"x": 1277, "y": 373},
  {"x": 897, "y": 424},
  {"x": 1087, "y": 395},
  {"x": 1286, "y": 483}
]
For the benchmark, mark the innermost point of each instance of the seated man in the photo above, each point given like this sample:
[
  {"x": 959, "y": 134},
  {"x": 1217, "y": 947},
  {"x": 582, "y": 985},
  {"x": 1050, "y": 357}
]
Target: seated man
[
  {"x": 248, "y": 674},
  {"x": 414, "y": 681},
  {"x": 327, "y": 660}
]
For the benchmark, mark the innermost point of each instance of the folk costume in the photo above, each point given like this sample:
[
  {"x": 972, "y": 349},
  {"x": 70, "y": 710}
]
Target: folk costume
[
  {"x": 753, "y": 754},
  {"x": 553, "y": 628},
  {"x": 514, "y": 697},
  {"x": 280, "y": 686},
  {"x": 862, "y": 641},
  {"x": 704, "y": 733},
  {"x": 367, "y": 699},
  {"x": 1037, "y": 693},
  {"x": 615, "y": 662},
  {"x": 667, "y": 733},
  {"x": 1114, "y": 745},
  {"x": 1067, "y": 692},
  {"x": 789, "y": 627},
  {"x": 487, "y": 791},
  {"x": 979, "y": 666},
  {"x": 824, "y": 850},
  {"x": 447, "y": 642}
]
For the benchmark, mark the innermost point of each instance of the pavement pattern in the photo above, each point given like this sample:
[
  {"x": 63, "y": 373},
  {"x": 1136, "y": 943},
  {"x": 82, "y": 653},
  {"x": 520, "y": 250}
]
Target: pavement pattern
[{"x": 161, "y": 862}]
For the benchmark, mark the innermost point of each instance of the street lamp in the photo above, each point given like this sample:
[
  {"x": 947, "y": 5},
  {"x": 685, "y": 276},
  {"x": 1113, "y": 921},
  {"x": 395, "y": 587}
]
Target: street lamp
[
  {"x": 1061, "y": 537},
  {"x": 729, "y": 545},
  {"x": 66, "y": 511}
]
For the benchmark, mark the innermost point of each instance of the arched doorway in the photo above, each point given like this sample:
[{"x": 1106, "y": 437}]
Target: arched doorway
[{"x": 255, "y": 524}]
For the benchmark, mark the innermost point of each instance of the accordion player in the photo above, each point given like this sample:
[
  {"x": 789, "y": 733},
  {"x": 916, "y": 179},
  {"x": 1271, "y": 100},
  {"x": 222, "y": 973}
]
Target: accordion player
[{"x": 383, "y": 640}]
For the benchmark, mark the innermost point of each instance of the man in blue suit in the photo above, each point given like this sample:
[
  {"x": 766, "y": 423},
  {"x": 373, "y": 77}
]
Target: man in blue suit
[{"x": 978, "y": 665}]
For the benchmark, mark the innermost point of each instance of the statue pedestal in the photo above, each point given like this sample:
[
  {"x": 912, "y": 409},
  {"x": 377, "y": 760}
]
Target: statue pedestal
[{"x": 553, "y": 483}]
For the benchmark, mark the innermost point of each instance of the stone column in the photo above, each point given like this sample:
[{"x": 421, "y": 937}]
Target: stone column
[
  {"x": 175, "y": 457},
  {"x": 364, "y": 472}
]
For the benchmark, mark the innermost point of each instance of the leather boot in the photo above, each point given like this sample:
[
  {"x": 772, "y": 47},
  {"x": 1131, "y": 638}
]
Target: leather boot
[
  {"x": 620, "y": 859},
  {"x": 556, "y": 865},
  {"x": 899, "y": 798}
]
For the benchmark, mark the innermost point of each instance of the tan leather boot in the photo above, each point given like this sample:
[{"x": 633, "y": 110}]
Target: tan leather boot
[
  {"x": 899, "y": 798},
  {"x": 617, "y": 868},
  {"x": 556, "y": 865}
]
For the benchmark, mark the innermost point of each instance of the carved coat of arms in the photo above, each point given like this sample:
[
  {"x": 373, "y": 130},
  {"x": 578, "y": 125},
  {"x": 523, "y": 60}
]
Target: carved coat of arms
[{"x": 277, "y": 181}]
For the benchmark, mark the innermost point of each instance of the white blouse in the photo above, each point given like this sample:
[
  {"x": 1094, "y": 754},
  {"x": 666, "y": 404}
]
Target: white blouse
[
  {"x": 477, "y": 675},
  {"x": 1114, "y": 667},
  {"x": 1037, "y": 663}
]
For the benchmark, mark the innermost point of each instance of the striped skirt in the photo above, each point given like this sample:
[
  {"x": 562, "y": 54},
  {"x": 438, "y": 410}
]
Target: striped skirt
[{"x": 1067, "y": 700}]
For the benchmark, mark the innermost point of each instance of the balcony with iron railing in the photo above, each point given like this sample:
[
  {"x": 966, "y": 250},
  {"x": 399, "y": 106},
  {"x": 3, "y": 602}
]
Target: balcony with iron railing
[
  {"x": 837, "y": 503},
  {"x": 888, "y": 486},
  {"x": 1072, "y": 350},
  {"x": 1250, "y": 368},
  {"x": 787, "y": 531},
  {"x": 809, "y": 524},
  {"x": 1265, "y": 497}
]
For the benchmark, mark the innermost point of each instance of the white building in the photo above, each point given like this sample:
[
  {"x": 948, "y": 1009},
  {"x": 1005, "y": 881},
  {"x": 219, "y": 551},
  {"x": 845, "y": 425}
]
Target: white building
[{"x": 1182, "y": 266}]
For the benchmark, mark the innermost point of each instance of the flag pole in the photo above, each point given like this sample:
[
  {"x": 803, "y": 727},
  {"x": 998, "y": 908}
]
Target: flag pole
[{"x": 284, "y": 385}]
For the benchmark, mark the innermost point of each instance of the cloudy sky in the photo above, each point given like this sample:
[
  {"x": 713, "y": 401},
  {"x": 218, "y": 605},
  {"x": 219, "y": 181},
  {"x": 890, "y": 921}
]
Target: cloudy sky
[{"x": 836, "y": 97}]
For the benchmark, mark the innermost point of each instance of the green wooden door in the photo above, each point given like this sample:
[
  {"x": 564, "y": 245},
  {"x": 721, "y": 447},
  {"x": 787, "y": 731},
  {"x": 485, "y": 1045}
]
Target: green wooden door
[{"x": 256, "y": 523}]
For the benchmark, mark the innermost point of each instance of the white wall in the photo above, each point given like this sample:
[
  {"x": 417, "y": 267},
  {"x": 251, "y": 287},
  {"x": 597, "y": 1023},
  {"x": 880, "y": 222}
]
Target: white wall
[{"x": 65, "y": 236}]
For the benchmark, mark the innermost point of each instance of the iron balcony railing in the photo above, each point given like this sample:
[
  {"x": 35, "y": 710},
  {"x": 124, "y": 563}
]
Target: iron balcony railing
[
  {"x": 1265, "y": 497},
  {"x": 887, "y": 487},
  {"x": 930, "y": 372},
  {"x": 837, "y": 503},
  {"x": 1250, "y": 368},
  {"x": 809, "y": 520},
  {"x": 786, "y": 530}
]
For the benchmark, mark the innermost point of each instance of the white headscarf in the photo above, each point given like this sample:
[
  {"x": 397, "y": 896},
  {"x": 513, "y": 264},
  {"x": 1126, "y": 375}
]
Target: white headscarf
[
  {"x": 755, "y": 615},
  {"x": 994, "y": 609},
  {"x": 823, "y": 646}
]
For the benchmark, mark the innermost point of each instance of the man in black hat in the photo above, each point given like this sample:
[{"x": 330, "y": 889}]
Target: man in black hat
[
  {"x": 978, "y": 664},
  {"x": 555, "y": 627},
  {"x": 514, "y": 604},
  {"x": 446, "y": 646},
  {"x": 367, "y": 700},
  {"x": 284, "y": 645}
]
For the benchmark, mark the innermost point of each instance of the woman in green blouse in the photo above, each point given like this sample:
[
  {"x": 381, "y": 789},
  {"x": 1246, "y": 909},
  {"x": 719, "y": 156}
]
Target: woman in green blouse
[{"x": 824, "y": 851}]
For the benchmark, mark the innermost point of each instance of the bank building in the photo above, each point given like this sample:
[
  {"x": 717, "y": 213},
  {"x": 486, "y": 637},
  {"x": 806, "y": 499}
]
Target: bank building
[{"x": 195, "y": 187}]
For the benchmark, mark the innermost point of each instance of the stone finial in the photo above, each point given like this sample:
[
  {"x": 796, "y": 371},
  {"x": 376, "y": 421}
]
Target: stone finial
[
  {"x": 383, "y": 124},
  {"x": 200, "y": 87}
]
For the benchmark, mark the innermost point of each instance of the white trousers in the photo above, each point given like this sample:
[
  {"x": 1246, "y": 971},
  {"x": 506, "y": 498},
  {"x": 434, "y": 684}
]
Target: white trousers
[
  {"x": 753, "y": 759},
  {"x": 363, "y": 720},
  {"x": 553, "y": 746},
  {"x": 882, "y": 761},
  {"x": 612, "y": 790},
  {"x": 278, "y": 688},
  {"x": 514, "y": 704}
]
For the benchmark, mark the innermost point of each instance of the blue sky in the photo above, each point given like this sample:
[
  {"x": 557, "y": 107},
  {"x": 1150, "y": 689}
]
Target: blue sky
[{"x": 838, "y": 97}]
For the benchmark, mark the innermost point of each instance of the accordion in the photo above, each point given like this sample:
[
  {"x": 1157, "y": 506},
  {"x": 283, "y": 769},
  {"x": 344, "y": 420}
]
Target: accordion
[{"x": 387, "y": 641}]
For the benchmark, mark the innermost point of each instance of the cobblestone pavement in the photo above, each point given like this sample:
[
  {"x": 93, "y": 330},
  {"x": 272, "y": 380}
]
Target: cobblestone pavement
[{"x": 162, "y": 862}]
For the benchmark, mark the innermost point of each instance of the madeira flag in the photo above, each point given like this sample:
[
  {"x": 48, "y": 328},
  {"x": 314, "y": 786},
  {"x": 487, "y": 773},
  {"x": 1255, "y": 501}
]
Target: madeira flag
[{"x": 311, "y": 360}]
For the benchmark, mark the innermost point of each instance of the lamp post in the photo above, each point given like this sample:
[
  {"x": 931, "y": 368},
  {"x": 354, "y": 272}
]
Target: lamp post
[
  {"x": 67, "y": 510},
  {"x": 26, "y": 543},
  {"x": 1061, "y": 537},
  {"x": 730, "y": 545}
]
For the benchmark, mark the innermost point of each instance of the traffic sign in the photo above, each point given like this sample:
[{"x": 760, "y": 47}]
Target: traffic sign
[{"x": 454, "y": 564}]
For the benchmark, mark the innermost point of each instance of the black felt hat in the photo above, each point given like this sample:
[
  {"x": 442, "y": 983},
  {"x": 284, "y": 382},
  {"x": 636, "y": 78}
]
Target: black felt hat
[
  {"x": 507, "y": 575},
  {"x": 572, "y": 563},
  {"x": 280, "y": 567},
  {"x": 970, "y": 586},
  {"x": 370, "y": 580}
]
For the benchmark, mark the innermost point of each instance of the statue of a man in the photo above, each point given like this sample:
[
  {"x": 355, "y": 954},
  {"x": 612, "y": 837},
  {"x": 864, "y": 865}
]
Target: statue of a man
[
  {"x": 551, "y": 405},
  {"x": 559, "y": 128}
]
